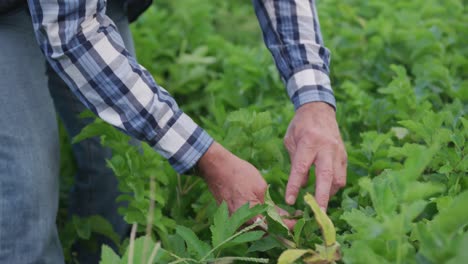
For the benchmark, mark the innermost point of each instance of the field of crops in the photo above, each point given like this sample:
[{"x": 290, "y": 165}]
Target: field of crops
[{"x": 399, "y": 70}]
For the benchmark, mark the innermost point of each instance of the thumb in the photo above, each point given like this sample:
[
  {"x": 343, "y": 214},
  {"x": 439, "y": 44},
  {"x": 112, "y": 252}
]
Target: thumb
[{"x": 301, "y": 162}]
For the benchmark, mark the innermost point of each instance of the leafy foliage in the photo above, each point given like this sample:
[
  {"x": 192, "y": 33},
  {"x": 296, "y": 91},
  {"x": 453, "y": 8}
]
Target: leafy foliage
[{"x": 399, "y": 71}]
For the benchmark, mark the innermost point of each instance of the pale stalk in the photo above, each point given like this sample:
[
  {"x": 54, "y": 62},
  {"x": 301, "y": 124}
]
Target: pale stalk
[{"x": 131, "y": 247}]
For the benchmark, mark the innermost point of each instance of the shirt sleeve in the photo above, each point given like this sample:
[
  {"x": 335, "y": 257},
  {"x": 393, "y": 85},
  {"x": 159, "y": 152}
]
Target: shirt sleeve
[
  {"x": 83, "y": 45},
  {"x": 291, "y": 32}
]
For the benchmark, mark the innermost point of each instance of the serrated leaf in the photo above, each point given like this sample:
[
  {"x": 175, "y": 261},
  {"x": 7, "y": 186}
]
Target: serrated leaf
[
  {"x": 261, "y": 120},
  {"x": 326, "y": 225},
  {"x": 361, "y": 252},
  {"x": 454, "y": 217},
  {"x": 242, "y": 117},
  {"x": 218, "y": 230},
  {"x": 90, "y": 131},
  {"x": 264, "y": 244},
  {"x": 245, "y": 238},
  {"x": 420, "y": 190},
  {"x": 194, "y": 244},
  {"x": 366, "y": 226},
  {"x": 223, "y": 226}
]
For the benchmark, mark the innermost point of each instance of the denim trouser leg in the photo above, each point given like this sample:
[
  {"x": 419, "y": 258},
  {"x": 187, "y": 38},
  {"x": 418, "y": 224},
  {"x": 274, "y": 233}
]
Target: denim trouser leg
[
  {"x": 95, "y": 188},
  {"x": 29, "y": 149}
]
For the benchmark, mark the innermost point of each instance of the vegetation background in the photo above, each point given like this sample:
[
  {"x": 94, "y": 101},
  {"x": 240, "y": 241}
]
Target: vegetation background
[{"x": 399, "y": 71}]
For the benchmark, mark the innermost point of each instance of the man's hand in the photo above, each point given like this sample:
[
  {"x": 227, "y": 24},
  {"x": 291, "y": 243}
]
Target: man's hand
[
  {"x": 233, "y": 180},
  {"x": 313, "y": 138}
]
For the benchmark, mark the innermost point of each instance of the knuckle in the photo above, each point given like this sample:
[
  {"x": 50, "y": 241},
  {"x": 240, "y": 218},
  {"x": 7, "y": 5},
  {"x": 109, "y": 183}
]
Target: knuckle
[
  {"x": 344, "y": 161},
  {"x": 313, "y": 133},
  {"x": 325, "y": 172},
  {"x": 345, "y": 155},
  {"x": 340, "y": 183},
  {"x": 334, "y": 143},
  {"x": 288, "y": 143},
  {"x": 310, "y": 138},
  {"x": 293, "y": 187},
  {"x": 322, "y": 197},
  {"x": 262, "y": 186},
  {"x": 301, "y": 167}
]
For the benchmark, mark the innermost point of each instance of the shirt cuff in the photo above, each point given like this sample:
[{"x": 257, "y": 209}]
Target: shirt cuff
[
  {"x": 310, "y": 85},
  {"x": 182, "y": 142}
]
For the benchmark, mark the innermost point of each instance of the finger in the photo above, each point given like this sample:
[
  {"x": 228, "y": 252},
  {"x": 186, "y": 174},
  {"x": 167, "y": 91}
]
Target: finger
[
  {"x": 290, "y": 223},
  {"x": 302, "y": 160},
  {"x": 342, "y": 165},
  {"x": 324, "y": 173},
  {"x": 339, "y": 179}
]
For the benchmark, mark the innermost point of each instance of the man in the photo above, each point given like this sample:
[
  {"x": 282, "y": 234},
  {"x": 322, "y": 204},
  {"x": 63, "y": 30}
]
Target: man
[{"x": 85, "y": 47}]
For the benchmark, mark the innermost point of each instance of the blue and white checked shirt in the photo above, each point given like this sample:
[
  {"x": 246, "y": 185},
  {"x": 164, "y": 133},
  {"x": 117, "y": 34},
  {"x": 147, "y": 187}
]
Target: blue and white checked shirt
[{"x": 84, "y": 47}]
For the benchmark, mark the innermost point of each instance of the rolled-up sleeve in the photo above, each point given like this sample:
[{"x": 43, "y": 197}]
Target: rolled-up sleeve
[
  {"x": 291, "y": 32},
  {"x": 83, "y": 45}
]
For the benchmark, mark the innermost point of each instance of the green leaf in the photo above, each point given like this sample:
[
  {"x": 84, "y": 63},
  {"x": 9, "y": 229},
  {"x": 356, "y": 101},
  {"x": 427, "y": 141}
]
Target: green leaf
[
  {"x": 229, "y": 260},
  {"x": 326, "y": 225},
  {"x": 291, "y": 255},
  {"x": 108, "y": 256},
  {"x": 264, "y": 244},
  {"x": 272, "y": 211},
  {"x": 382, "y": 195},
  {"x": 82, "y": 227},
  {"x": 90, "y": 131},
  {"x": 194, "y": 244},
  {"x": 462, "y": 252},
  {"x": 419, "y": 190},
  {"x": 101, "y": 226},
  {"x": 298, "y": 230},
  {"x": 223, "y": 226},
  {"x": 362, "y": 252},
  {"x": 454, "y": 217},
  {"x": 245, "y": 238},
  {"x": 261, "y": 121},
  {"x": 139, "y": 256},
  {"x": 218, "y": 230},
  {"x": 365, "y": 226}
]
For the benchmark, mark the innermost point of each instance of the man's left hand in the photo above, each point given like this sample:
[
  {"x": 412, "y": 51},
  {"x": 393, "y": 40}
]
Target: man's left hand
[{"x": 313, "y": 137}]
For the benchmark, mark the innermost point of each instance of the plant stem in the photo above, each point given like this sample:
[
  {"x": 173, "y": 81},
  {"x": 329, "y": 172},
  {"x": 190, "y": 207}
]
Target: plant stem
[
  {"x": 131, "y": 248},
  {"x": 149, "y": 219}
]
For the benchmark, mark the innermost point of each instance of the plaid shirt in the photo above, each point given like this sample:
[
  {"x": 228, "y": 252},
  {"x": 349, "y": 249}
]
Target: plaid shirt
[{"x": 84, "y": 47}]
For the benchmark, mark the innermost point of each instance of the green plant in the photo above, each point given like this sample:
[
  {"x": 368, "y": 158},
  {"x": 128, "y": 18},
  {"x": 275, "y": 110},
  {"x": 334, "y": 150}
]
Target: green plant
[{"x": 399, "y": 71}]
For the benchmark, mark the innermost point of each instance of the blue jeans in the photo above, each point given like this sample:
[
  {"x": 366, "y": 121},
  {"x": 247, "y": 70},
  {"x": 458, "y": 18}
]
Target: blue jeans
[{"x": 30, "y": 96}]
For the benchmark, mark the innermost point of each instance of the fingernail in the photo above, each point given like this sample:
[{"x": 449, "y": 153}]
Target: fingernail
[{"x": 290, "y": 199}]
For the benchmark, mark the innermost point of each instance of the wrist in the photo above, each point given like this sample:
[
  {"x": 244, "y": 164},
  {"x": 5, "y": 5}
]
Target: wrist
[
  {"x": 317, "y": 106},
  {"x": 213, "y": 157}
]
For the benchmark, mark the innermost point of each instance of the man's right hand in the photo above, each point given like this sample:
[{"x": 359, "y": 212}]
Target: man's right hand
[{"x": 233, "y": 180}]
